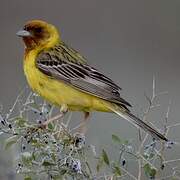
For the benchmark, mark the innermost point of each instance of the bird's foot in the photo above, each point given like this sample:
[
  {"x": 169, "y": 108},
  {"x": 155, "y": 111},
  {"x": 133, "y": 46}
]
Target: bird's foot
[{"x": 81, "y": 128}]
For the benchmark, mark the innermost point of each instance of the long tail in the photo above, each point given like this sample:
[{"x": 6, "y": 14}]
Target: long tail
[{"x": 137, "y": 122}]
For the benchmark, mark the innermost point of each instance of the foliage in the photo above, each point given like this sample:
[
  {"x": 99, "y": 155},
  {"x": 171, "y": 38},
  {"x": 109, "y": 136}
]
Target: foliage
[{"x": 54, "y": 151}]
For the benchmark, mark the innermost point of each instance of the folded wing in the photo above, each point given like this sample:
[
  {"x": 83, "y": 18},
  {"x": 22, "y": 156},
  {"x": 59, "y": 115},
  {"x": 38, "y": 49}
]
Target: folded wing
[{"x": 64, "y": 65}]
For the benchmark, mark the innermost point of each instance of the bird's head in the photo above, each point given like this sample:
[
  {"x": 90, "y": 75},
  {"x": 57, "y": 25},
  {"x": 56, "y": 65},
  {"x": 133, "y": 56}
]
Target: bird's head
[{"x": 38, "y": 34}]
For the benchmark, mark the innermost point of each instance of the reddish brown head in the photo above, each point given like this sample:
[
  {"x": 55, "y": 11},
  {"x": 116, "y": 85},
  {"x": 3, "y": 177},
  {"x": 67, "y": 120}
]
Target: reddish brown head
[{"x": 38, "y": 34}]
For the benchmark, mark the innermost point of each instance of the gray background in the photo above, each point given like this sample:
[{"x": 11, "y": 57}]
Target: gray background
[{"x": 129, "y": 40}]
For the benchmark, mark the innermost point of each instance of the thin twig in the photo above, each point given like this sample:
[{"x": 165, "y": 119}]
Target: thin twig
[
  {"x": 129, "y": 174},
  {"x": 171, "y": 161},
  {"x": 139, "y": 172}
]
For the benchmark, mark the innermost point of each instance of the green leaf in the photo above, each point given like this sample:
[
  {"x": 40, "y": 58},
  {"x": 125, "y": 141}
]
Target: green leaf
[
  {"x": 20, "y": 122},
  {"x": 51, "y": 126},
  {"x": 36, "y": 143},
  {"x": 33, "y": 155},
  {"x": 57, "y": 177},
  {"x": 26, "y": 158},
  {"x": 27, "y": 178},
  {"x": 10, "y": 141},
  {"x": 105, "y": 157},
  {"x": 47, "y": 163},
  {"x": 116, "y": 139},
  {"x": 174, "y": 178},
  {"x": 99, "y": 164},
  {"x": 151, "y": 155},
  {"x": 116, "y": 170},
  {"x": 149, "y": 171},
  {"x": 63, "y": 172},
  {"x": 66, "y": 141},
  {"x": 126, "y": 142},
  {"x": 53, "y": 156}
]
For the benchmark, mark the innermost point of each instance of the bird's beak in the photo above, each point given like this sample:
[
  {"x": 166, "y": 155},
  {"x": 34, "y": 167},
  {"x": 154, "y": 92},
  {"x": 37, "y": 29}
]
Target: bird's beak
[{"x": 24, "y": 33}]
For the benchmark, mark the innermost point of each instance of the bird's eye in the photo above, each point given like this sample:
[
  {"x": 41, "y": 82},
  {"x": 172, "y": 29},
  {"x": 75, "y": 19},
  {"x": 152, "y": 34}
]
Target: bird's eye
[
  {"x": 25, "y": 28},
  {"x": 38, "y": 30}
]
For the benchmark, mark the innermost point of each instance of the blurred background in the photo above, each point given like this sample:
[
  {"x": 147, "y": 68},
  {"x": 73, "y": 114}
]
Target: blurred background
[{"x": 129, "y": 40}]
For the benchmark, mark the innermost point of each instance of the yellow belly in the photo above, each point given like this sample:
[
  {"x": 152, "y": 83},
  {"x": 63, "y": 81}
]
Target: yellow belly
[{"x": 59, "y": 93}]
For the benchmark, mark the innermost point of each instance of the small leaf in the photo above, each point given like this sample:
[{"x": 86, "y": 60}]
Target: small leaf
[
  {"x": 151, "y": 155},
  {"x": 27, "y": 178},
  {"x": 174, "y": 178},
  {"x": 58, "y": 177},
  {"x": 47, "y": 163},
  {"x": 33, "y": 155},
  {"x": 116, "y": 139},
  {"x": 36, "y": 143},
  {"x": 149, "y": 171},
  {"x": 53, "y": 156},
  {"x": 51, "y": 126},
  {"x": 66, "y": 141},
  {"x": 116, "y": 170},
  {"x": 20, "y": 122},
  {"x": 63, "y": 172},
  {"x": 105, "y": 157},
  {"x": 26, "y": 157},
  {"x": 126, "y": 142},
  {"x": 99, "y": 164},
  {"x": 10, "y": 141}
]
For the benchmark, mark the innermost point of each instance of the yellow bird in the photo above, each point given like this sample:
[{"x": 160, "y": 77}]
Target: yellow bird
[{"x": 62, "y": 76}]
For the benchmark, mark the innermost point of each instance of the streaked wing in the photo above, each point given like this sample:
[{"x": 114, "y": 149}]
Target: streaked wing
[{"x": 67, "y": 65}]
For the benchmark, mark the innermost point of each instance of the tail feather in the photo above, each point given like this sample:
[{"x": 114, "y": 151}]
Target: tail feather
[{"x": 137, "y": 122}]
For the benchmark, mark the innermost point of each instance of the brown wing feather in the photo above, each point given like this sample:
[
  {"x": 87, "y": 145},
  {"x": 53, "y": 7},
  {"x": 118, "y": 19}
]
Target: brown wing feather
[{"x": 57, "y": 64}]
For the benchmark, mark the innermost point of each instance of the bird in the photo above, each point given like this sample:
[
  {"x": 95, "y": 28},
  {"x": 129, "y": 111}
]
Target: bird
[{"x": 63, "y": 77}]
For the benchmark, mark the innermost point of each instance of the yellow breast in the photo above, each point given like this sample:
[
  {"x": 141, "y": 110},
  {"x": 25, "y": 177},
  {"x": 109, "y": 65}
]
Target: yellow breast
[{"x": 57, "y": 92}]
